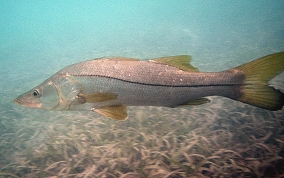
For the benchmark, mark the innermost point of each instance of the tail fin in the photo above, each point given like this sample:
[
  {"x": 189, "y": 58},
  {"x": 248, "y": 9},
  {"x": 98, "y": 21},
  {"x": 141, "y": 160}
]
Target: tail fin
[{"x": 256, "y": 90}]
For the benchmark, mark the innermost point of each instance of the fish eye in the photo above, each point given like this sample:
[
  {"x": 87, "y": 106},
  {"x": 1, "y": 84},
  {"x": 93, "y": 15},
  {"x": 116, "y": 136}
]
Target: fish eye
[{"x": 36, "y": 93}]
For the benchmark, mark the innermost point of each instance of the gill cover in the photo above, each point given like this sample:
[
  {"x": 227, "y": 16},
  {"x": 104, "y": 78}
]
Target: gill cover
[
  {"x": 47, "y": 96},
  {"x": 67, "y": 90}
]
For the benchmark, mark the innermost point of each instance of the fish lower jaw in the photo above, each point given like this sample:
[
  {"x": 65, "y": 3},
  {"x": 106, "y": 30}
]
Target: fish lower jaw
[{"x": 29, "y": 105}]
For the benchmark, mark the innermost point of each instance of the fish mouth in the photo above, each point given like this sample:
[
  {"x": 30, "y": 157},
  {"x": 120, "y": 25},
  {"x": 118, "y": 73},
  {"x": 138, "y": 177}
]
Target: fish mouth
[
  {"x": 17, "y": 101},
  {"x": 20, "y": 102}
]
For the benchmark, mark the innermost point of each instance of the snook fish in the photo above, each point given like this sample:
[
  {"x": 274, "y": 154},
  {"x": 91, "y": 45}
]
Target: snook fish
[{"x": 108, "y": 85}]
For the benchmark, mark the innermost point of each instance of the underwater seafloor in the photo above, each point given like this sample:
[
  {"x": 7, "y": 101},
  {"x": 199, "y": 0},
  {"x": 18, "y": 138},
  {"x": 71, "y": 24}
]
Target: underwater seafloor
[
  {"x": 223, "y": 138},
  {"x": 200, "y": 141}
]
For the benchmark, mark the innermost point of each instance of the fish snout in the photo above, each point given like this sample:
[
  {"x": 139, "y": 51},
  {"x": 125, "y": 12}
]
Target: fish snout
[
  {"x": 27, "y": 102},
  {"x": 15, "y": 101},
  {"x": 18, "y": 101}
]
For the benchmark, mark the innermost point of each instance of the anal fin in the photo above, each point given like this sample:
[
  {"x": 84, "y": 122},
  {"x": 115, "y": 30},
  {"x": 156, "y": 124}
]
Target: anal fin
[
  {"x": 196, "y": 102},
  {"x": 117, "y": 112}
]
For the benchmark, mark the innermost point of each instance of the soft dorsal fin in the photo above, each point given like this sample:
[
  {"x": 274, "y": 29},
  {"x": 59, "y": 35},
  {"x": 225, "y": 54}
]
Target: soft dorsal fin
[
  {"x": 117, "y": 112},
  {"x": 182, "y": 62}
]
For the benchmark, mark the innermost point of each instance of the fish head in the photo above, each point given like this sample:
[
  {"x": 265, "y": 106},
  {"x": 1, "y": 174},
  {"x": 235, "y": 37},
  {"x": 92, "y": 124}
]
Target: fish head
[
  {"x": 44, "y": 96},
  {"x": 56, "y": 93}
]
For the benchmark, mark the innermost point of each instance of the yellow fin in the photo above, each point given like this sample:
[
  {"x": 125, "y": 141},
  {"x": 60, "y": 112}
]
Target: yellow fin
[
  {"x": 182, "y": 62},
  {"x": 196, "y": 102},
  {"x": 256, "y": 90},
  {"x": 117, "y": 112},
  {"x": 96, "y": 97}
]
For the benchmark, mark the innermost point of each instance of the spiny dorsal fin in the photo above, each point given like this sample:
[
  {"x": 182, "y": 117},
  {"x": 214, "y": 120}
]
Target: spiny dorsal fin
[
  {"x": 96, "y": 97},
  {"x": 122, "y": 59},
  {"x": 117, "y": 112},
  {"x": 182, "y": 62}
]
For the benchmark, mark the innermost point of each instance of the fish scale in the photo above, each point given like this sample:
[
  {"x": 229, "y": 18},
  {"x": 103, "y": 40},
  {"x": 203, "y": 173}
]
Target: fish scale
[{"x": 149, "y": 73}]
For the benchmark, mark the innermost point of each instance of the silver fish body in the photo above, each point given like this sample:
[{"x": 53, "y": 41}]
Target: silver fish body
[
  {"x": 107, "y": 85},
  {"x": 145, "y": 83}
]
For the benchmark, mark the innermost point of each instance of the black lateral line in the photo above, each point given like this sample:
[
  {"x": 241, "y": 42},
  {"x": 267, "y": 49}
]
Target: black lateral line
[{"x": 149, "y": 84}]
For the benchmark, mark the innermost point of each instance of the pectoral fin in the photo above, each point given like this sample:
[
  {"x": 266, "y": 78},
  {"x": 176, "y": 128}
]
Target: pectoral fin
[
  {"x": 117, "y": 112},
  {"x": 96, "y": 97}
]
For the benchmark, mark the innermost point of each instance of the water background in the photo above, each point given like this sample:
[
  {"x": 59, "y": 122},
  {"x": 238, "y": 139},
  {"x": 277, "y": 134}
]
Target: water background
[{"x": 38, "y": 38}]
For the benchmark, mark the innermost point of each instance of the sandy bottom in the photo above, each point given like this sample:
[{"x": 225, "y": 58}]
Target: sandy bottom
[{"x": 223, "y": 138}]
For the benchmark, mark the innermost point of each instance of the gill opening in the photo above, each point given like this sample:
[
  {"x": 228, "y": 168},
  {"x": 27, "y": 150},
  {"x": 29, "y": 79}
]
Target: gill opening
[{"x": 60, "y": 97}]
